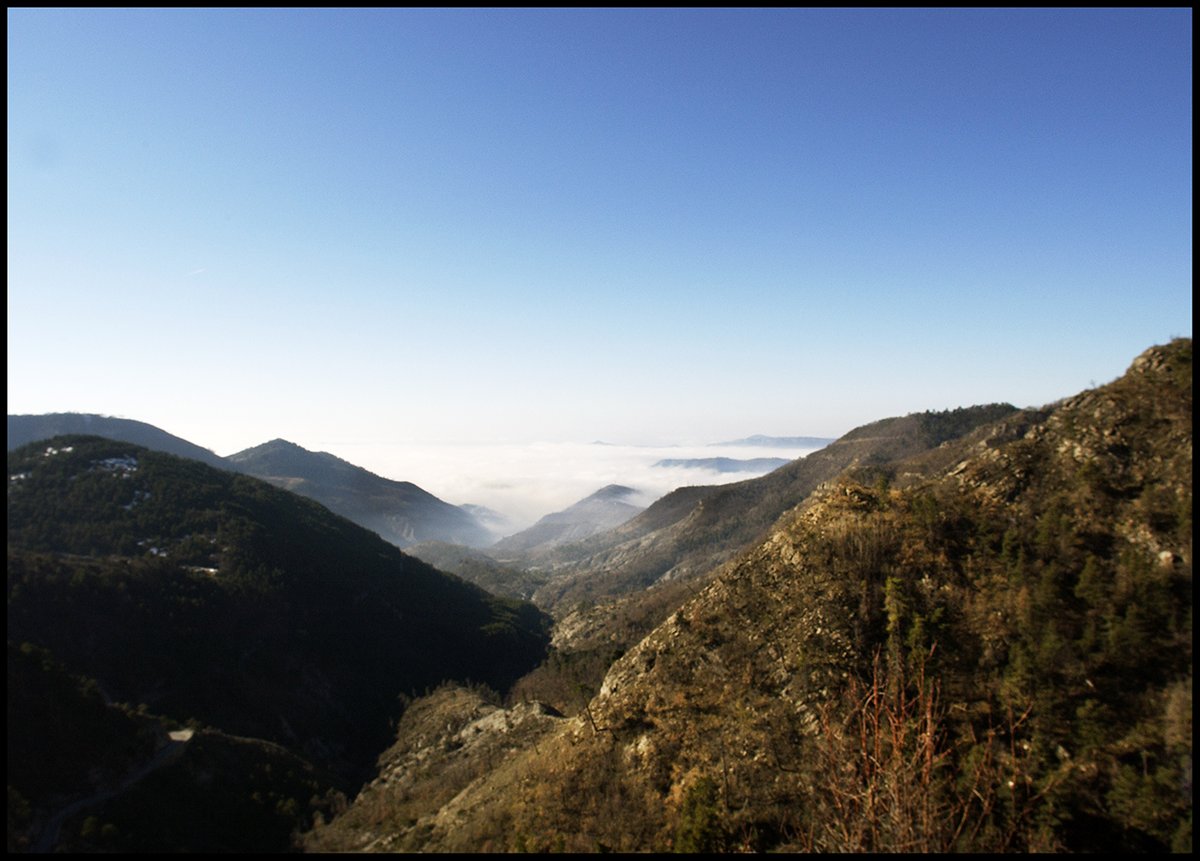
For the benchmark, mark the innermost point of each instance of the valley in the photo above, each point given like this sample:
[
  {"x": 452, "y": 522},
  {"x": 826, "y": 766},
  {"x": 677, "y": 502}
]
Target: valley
[
  {"x": 590, "y": 430},
  {"x": 996, "y": 599}
]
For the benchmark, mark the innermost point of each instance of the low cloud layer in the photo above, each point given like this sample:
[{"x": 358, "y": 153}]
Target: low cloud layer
[{"x": 524, "y": 482}]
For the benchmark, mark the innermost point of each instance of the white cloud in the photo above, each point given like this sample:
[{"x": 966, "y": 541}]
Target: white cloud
[{"x": 526, "y": 481}]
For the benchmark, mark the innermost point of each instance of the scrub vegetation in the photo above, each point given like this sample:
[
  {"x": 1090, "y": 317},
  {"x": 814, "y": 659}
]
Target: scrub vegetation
[{"x": 966, "y": 631}]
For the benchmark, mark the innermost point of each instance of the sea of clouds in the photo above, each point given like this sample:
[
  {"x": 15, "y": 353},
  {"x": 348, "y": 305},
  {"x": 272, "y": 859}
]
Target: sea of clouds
[{"x": 525, "y": 481}]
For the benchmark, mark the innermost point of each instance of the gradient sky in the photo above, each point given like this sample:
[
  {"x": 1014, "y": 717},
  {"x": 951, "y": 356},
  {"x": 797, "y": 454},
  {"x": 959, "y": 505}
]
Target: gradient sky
[{"x": 379, "y": 226}]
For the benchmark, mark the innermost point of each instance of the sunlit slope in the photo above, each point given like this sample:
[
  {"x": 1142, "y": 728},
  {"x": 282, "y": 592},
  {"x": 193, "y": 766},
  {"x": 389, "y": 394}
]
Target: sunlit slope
[
  {"x": 690, "y": 531},
  {"x": 988, "y": 651}
]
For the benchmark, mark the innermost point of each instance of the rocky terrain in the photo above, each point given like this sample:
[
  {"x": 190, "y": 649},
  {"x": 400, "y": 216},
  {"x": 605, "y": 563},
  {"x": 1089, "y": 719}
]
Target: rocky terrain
[
  {"x": 983, "y": 647},
  {"x": 692, "y": 530}
]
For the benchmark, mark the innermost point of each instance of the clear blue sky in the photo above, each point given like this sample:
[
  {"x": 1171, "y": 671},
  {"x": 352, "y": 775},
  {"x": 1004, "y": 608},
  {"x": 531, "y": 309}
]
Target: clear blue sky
[{"x": 638, "y": 226}]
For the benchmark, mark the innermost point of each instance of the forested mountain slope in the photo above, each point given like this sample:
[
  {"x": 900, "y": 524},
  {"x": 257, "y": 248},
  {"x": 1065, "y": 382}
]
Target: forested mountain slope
[
  {"x": 479, "y": 568},
  {"x": 988, "y": 651},
  {"x": 25, "y": 429},
  {"x": 690, "y": 531},
  {"x": 211, "y": 596},
  {"x": 399, "y": 511}
]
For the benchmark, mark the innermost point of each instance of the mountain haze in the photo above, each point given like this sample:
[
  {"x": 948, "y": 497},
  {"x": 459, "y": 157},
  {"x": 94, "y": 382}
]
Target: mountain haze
[
  {"x": 23, "y": 430},
  {"x": 605, "y": 509},
  {"x": 399, "y": 511},
  {"x": 779, "y": 441},
  {"x": 966, "y": 630},
  {"x": 983, "y": 646},
  {"x": 725, "y": 464},
  {"x": 690, "y": 531}
]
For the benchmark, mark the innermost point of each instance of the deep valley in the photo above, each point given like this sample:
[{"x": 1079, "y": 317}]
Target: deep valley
[{"x": 966, "y": 630}]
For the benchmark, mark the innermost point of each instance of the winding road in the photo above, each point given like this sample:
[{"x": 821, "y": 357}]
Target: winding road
[{"x": 173, "y": 748}]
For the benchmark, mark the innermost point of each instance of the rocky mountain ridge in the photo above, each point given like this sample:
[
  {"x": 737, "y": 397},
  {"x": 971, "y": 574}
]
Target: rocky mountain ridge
[
  {"x": 692, "y": 530},
  {"x": 983, "y": 647}
]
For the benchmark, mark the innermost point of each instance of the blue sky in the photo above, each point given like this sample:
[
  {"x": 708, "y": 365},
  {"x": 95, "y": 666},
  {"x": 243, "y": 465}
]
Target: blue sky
[{"x": 379, "y": 226}]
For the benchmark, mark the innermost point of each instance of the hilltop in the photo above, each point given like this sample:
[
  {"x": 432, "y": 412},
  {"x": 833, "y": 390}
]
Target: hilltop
[
  {"x": 605, "y": 509},
  {"x": 399, "y": 511},
  {"x": 25, "y": 429},
  {"x": 983, "y": 646}
]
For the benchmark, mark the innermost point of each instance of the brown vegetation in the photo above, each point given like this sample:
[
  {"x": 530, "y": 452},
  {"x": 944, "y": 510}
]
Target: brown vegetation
[{"x": 986, "y": 650}]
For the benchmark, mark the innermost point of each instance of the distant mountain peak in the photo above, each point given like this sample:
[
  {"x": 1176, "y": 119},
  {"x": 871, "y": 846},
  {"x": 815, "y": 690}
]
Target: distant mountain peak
[
  {"x": 613, "y": 491},
  {"x": 725, "y": 464},
  {"x": 400, "y": 511},
  {"x": 279, "y": 444},
  {"x": 764, "y": 441},
  {"x": 23, "y": 429},
  {"x": 605, "y": 509}
]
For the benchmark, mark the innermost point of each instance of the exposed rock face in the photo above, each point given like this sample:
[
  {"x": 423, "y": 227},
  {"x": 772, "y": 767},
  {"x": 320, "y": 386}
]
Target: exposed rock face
[
  {"x": 1011, "y": 609},
  {"x": 447, "y": 742},
  {"x": 690, "y": 532}
]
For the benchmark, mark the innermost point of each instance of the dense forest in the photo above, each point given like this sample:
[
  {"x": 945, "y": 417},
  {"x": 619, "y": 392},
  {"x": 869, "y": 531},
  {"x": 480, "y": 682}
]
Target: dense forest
[{"x": 200, "y": 595}]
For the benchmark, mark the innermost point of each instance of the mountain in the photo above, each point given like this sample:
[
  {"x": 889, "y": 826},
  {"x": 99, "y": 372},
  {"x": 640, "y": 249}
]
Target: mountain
[
  {"x": 690, "y": 531},
  {"x": 25, "y": 429},
  {"x": 399, "y": 511},
  {"x": 479, "y": 568},
  {"x": 980, "y": 647},
  {"x": 497, "y": 524},
  {"x": 612, "y": 589},
  {"x": 605, "y": 509},
  {"x": 726, "y": 464},
  {"x": 121, "y": 779},
  {"x": 197, "y": 594},
  {"x": 779, "y": 441}
]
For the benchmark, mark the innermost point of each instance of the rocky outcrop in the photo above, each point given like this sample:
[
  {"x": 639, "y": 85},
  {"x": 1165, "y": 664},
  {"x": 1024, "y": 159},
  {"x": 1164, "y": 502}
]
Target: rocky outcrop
[{"x": 926, "y": 655}]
